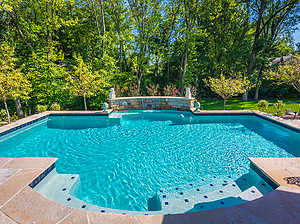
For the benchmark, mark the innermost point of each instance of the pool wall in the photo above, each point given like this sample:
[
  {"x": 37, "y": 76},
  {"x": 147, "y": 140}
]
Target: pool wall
[
  {"x": 20, "y": 203},
  {"x": 152, "y": 103}
]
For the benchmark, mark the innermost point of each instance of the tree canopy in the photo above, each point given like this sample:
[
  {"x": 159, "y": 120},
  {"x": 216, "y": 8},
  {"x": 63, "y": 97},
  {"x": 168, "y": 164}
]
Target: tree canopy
[{"x": 142, "y": 42}]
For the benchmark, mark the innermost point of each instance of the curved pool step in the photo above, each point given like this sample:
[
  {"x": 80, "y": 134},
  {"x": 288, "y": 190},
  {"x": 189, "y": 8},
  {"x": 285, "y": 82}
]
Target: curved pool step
[
  {"x": 231, "y": 194},
  {"x": 204, "y": 185}
]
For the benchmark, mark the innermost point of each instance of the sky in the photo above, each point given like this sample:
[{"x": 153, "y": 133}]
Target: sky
[{"x": 297, "y": 35}]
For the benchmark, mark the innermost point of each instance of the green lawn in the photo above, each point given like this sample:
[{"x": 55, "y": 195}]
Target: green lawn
[{"x": 237, "y": 104}]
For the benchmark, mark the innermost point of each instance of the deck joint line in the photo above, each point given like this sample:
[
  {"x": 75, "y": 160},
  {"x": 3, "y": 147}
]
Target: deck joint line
[
  {"x": 66, "y": 216},
  {"x": 137, "y": 219},
  {"x": 6, "y": 163},
  {"x": 12, "y": 197}
]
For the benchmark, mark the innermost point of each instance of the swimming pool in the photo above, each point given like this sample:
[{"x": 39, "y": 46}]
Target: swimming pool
[{"x": 125, "y": 159}]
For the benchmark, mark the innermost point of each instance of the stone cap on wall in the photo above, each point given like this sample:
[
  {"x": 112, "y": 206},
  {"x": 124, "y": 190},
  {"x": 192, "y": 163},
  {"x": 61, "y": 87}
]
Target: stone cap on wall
[{"x": 151, "y": 97}]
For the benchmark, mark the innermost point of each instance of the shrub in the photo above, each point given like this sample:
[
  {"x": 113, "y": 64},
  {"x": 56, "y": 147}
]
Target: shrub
[
  {"x": 54, "y": 106},
  {"x": 152, "y": 89},
  {"x": 279, "y": 107},
  {"x": 13, "y": 117},
  {"x": 41, "y": 108},
  {"x": 119, "y": 92},
  {"x": 133, "y": 90},
  {"x": 170, "y": 90},
  {"x": 263, "y": 105},
  {"x": 3, "y": 116}
]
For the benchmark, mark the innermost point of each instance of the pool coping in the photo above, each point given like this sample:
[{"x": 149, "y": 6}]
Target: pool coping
[{"x": 19, "y": 203}]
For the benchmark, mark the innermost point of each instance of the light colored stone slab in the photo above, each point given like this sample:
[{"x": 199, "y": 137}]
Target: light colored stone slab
[
  {"x": 279, "y": 206},
  {"x": 7, "y": 173},
  {"x": 29, "y": 206},
  {"x": 104, "y": 218},
  {"x": 216, "y": 216},
  {"x": 276, "y": 163},
  {"x": 15, "y": 183},
  {"x": 278, "y": 176},
  {"x": 77, "y": 216},
  {"x": 4, "y": 219},
  {"x": 239, "y": 215},
  {"x": 3, "y": 161},
  {"x": 294, "y": 172},
  {"x": 30, "y": 163},
  {"x": 150, "y": 219}
]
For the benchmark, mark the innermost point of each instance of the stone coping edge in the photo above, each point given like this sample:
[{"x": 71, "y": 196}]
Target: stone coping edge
[
  {"x": 6, "y": 129},
  {"x": 272, "y": 183},
  {"x": 150, "y": 97}
]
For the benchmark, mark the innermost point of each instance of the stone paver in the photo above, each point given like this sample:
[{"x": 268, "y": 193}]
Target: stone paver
[
  {"x": 4, "y": 219},
  {"x": 29, "y": 206},
  {"x": 279, "y": 206},
  {"x": 239, "y": 215},
  {"x": 150, "y": 219},
  {"x": 77, "y": 216},
  {"x": 29, "y": 163},
  {"x": 15, "y": 183},
  {"x": 210, "y": 217},
  {"x": 104, "y": 218},
  {"x": 3, "y": 161},
  {"x": 5, "y": 174}
]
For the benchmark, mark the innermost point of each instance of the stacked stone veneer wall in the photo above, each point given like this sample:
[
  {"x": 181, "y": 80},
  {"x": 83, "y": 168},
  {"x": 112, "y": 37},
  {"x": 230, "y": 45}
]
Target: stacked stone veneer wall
[{"x": 151, "y": 103}]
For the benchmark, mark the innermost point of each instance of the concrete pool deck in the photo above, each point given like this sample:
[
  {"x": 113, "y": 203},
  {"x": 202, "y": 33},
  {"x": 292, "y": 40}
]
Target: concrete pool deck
[{"x": 19, "y": 203}]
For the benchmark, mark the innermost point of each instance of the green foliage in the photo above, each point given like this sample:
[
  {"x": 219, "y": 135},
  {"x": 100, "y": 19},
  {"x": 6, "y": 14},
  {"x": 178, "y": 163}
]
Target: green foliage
[
  {"x": 263, "y": 105},
  {"x": 165, "y": 43},
  {"x": 228, "y": 87},
  {"x": 170, "y": 90},
  {"x": 279, "y": 105},
  {"x": 41, "y": 108},
  {"x": 152, "y": 89},
  {"x": 3, "y": 116},
  {"x": 55, "y": 107},
  {"x": 288, "y": 72}
]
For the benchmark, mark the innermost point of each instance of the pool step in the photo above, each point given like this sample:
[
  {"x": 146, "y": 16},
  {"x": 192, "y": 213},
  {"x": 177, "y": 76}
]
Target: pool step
[
  {"x": 209, "y": 183},
  {"x": 229, "y": 195}
]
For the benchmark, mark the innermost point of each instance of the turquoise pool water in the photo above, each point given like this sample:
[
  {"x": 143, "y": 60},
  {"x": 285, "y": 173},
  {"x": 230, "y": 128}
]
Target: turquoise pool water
[{"x": 125, "y": 159}]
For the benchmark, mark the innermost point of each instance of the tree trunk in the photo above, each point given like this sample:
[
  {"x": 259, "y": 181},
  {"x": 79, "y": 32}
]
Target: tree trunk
[
  {"x": 258, "y": 82},
  {"x": 18, "y": 108},
  {"x": 6, "y": 109},
  {"x": 29, "y": 110},
  {"x": 245, "y": 97},
  {"x": 84, "y": 101},
  {"x": 16, "y": 22},
  {"x": 224, "y": 104},
  {"x": 256, "y": 38},
  {"x": 186, "y": 49},
  {"x": 103, "y": 26},
  {"x": 184, "y": 70},
  {"x": 96, "y": 18}
]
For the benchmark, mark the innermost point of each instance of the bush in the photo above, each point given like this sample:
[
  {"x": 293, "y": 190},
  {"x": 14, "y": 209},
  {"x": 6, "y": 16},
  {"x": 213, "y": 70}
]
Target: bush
[
  {"x": 14, "y": 117},
  {"x": 41, "y": 108},
  {"x": 54, "y": 106},
  {"x": 263, "y": 105},
  {"x": 279, "y": 107},
  {"x": 3, "y": 116},
  {"x": 152, "y": 90},
  {"x": 170, "y": 90}
]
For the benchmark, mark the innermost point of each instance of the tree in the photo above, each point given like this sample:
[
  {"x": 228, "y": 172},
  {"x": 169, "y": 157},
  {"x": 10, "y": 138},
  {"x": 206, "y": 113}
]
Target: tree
[
  {"x": 227, "y": 88},
  {"x": 288, "y": 72},
  {"x": 269, "y": 17},
  {"x": 84, "y": 82},
  {"x": 13, "y": 84}
]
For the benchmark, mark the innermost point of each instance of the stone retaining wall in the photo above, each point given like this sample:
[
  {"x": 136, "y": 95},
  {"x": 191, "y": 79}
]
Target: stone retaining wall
[{"x": 151, "y": 103}]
